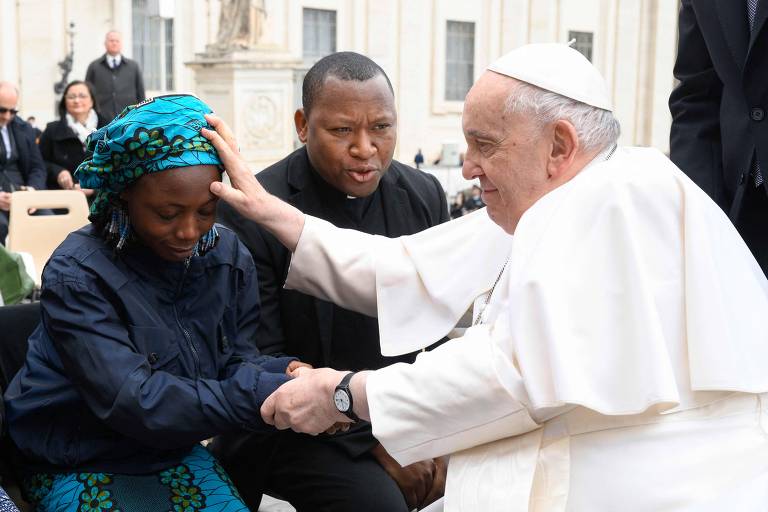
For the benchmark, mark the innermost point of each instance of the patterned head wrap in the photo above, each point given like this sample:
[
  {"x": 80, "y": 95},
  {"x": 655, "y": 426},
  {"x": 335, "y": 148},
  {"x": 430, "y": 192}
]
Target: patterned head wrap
[{"x": 154, "y": 135}]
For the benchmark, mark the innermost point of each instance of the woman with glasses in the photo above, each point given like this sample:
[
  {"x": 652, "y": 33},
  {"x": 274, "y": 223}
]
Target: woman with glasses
[{"x": 62, "y": 143}]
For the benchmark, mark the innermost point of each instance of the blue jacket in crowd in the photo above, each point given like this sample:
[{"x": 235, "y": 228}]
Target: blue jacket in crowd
[{"x": 138, "y": 359}]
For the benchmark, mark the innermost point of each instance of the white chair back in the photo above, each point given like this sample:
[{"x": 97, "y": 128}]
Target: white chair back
[{"x": 39, "y": 235}]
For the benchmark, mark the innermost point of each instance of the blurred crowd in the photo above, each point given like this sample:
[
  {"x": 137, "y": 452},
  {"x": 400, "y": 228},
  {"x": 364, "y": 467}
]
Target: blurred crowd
[{"x": 34, "y": 159}]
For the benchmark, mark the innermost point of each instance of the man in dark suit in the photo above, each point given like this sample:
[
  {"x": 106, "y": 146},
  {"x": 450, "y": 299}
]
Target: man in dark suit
[
  {"x": 344, "y": 174},
  {"x": 719, "y": 130},
  {"x": 21, "y": 166},
  {"x": 116, "y": 78}
]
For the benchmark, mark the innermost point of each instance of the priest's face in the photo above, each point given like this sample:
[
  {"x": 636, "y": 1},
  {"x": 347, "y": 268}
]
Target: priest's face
[
  {"x": 350, "y": 133},
  {"x": 506, "y": 152}
]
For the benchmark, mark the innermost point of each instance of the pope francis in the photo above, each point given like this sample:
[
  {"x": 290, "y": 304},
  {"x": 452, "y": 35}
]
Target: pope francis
[{"x": 617, "y": 356}]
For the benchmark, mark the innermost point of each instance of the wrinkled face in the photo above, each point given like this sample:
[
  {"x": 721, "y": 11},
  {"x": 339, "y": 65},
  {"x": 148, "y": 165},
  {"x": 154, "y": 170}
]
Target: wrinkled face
[
  {"x": 77, "y": 100},
  {"x": 113, "y": 43},
  {"x": 350, "y": 133},
  {"x": 506, "y": 152},
  {"x": 8, "y": 101},
  {"x": 171, "y": 210}
]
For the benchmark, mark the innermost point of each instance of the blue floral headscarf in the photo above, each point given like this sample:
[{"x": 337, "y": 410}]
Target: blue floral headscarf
[{"x": 154, "y": 135}]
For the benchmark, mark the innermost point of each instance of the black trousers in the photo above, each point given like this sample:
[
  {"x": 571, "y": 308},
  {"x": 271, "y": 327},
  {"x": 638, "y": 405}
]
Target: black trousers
[
  {"x": 752, "y": 223},
  {"x": 313, "y": 473}
]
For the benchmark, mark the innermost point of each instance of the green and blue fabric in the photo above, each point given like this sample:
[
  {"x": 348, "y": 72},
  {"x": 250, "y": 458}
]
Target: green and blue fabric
[
  {"x": 197, "y": 484},
  {"x": 156, "y": 134}
]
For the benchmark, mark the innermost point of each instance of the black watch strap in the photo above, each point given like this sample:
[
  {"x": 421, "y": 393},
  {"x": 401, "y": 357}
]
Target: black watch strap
[{"x": 344, "y": 387}]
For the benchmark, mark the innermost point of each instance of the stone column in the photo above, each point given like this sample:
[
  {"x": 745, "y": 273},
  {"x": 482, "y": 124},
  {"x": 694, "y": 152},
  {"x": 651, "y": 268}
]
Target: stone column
[{"x": 253, "y": 92}]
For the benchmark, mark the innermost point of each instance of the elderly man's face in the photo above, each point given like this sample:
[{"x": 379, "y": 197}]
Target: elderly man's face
[
  {"x": 8, "y": 102},
  {"x": 504, "y": 151},
  {"x": 350, "y": 133},
  {"x": 113, "y": 43}
]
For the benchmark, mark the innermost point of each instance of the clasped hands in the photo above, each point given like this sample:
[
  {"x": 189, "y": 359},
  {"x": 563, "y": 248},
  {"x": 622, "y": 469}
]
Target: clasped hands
[{"x": 305, "y": 404}]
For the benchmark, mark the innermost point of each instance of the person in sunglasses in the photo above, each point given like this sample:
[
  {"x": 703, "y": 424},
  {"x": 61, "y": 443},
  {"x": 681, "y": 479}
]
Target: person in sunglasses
[{"x": 21, "y": 165}]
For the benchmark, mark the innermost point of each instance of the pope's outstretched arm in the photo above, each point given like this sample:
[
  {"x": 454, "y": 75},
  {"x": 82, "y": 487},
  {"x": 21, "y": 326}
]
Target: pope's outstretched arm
[
  {"x": 413, "y": 408},
  {"x": 246, "y": 194}
]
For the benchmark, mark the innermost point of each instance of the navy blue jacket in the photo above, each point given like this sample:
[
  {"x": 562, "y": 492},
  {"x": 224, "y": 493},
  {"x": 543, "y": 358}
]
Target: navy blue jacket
[
  {"x": 137, "y": 359},
  {"x": 30, "y": 162}
]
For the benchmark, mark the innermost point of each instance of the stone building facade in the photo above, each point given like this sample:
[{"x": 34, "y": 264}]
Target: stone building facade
[{"x": 432, "y": 50}]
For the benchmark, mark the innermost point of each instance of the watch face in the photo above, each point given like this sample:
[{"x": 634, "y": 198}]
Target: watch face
[{"x": 341, "y": 399}]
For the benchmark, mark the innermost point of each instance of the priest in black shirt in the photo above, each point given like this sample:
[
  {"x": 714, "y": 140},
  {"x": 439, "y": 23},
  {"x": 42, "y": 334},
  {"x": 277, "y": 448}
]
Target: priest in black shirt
[{"x": 344, "y": 174}]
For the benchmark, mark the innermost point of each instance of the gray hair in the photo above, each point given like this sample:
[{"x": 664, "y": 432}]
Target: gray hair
[{"x": 596, "y": 128}]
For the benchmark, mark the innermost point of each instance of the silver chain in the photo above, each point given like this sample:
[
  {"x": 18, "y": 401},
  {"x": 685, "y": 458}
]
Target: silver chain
[
  {"x": 490, "y": 293},
  {"x": 479, "y": 318}
]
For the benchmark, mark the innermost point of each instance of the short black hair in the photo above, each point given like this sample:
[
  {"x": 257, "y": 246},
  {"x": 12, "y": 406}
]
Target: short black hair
[{"x": 345, "y": 66}]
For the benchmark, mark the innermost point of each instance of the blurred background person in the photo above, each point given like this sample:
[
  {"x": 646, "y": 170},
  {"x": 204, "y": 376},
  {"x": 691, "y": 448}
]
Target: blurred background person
[
  {"x": 418, "y": 159},
  {"x": 116, "y": 79},
  {"x": 21, "y": 166},
  {"x": 457, "y": 205},
  {"x": 62, "y": 144},
  {"x": 475, "y": 200},
  {"x": 32, "y": 121}
]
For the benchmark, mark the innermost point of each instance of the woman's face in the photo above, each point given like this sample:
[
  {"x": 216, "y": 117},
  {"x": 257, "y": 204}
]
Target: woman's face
[
  {"x": 78, "y": 100},
  {"x": 171, "y": 210}
]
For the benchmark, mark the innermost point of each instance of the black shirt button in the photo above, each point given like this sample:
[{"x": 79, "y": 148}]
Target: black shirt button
[
  {"x": 152, "y": 358},
  {"x": 757, "y": 114},
  {"x": 742, "y": 178}
]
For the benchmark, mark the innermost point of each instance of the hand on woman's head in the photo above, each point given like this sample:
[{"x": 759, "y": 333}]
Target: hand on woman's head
[{"x": 246, "y": 192}]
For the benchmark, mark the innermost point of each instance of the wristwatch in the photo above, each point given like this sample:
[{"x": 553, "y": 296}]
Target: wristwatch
[{"x": 342, "y": 398}]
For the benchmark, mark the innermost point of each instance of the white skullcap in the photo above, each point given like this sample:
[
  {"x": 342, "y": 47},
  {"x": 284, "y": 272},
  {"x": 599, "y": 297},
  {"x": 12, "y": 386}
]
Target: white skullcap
[{"x": 557, "y": 68}]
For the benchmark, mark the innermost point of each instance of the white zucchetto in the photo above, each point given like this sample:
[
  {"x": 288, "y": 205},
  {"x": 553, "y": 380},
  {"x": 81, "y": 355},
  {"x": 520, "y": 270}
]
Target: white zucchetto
[{"x": 557, "y": 68}]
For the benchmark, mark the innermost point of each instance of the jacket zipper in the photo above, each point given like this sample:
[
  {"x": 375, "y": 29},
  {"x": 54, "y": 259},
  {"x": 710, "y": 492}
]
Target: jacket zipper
[{"x": 187, "y": 336}]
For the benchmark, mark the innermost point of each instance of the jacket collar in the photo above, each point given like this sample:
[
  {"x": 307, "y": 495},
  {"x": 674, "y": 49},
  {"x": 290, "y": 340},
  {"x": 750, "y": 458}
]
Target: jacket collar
[
  {"x": 306, "y": 197},
  {"x": 735, "y": 24},
  {"x": 733, "y": 19},
  {"x": 60, "y": 130}
]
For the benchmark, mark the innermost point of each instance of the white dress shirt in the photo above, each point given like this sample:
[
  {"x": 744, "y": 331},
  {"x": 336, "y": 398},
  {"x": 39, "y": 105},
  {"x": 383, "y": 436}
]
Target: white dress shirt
[{"x": 6, "y": 140}]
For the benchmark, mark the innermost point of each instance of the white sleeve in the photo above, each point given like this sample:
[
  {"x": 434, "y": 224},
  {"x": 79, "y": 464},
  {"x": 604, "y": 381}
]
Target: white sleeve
[
  {"x": 335, "y": 264},
  {"x": 462, "y": 394},
  {"x": 418, "y": 286}
]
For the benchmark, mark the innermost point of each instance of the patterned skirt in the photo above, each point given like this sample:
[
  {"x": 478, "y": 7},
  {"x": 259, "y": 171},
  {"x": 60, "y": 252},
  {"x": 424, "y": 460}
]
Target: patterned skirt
[{"x": 198, "y": 483}]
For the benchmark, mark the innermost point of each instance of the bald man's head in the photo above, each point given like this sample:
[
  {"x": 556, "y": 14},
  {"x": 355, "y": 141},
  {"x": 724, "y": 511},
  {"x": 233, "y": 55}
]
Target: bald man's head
[
  {"x": 9, "y": 100},
  {"x": 113, "y": 43}
]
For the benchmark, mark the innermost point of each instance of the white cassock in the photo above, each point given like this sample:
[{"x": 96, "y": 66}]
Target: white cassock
[{"x": 620, "y": 364}]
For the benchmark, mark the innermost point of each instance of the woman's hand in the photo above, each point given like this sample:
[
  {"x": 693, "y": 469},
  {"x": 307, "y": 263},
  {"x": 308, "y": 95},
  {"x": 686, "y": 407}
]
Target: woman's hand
[
  {"x": 246, "y": 195},
  {"x": 64, "y": 179},
  {"x": 293, "y": 368}
]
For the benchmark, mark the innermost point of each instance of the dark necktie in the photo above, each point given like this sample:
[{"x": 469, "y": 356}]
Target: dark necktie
[{"x": 751, "y": 13}]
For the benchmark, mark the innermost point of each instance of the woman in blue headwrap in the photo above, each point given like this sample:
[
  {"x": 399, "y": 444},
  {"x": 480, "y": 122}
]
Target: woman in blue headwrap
[{"x": 146, "y": 342}]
